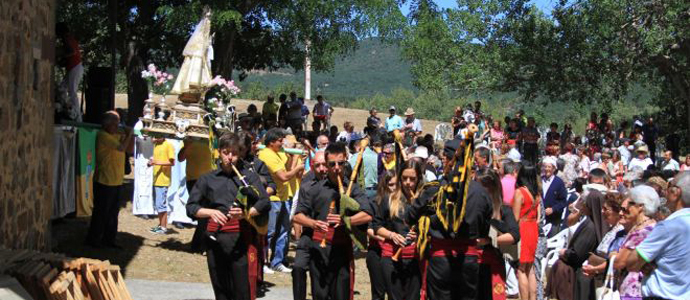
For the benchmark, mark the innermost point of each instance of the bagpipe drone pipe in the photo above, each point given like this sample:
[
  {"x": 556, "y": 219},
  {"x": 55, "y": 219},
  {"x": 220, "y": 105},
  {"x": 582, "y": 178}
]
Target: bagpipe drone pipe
[{"x": 448, "y": 205}]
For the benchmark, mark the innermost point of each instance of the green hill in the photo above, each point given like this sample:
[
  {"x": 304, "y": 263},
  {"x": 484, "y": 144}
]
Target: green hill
[{"x": 374, "y": 68}]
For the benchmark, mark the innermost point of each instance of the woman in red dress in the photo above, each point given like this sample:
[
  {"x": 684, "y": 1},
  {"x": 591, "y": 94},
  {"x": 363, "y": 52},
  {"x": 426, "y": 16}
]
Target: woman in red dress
[{"x": 526, "y": 210}]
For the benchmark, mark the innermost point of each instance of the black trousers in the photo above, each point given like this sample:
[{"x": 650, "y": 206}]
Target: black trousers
[
  {"x": 376, "y": 277},
  {"x": 300, "y": 267},
  {"x": 198, "y": 243},
  {"x": 403, "y": 278},
  {"x": 228, "y": 267},
  {"x": 329, "y": 270},
  {"x": 106, "y": 209},
  {"x": 453, "y": 278}
]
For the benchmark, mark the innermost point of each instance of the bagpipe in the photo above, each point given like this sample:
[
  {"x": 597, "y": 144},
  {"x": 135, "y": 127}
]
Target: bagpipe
[
  {"x": 448, "y": 205},
  {"x": 246, "y": 198},
  {"x": 349, "y": 206}
]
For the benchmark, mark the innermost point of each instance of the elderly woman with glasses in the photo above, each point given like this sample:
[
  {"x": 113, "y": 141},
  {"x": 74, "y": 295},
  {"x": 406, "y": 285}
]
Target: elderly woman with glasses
[{"x": 640, "y": 209}]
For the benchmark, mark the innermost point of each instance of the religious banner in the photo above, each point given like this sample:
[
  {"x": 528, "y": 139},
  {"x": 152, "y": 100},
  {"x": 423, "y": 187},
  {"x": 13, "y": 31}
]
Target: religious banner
[{"x": 87, "y": 166}]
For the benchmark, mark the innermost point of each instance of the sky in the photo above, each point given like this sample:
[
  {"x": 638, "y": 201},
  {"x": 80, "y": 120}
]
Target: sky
[{"x": 544, "y": 5}]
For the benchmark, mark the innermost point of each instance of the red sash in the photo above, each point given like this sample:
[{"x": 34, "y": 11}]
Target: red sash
[
  {"x": 339, "y": 237},
  {"x": 446, "y": 247},
  {"x": 334, "y": 236},
  {"x": 388, "y": 249},
  {"x": 252, "y": 240},
  {"x": 229, "y": 226},
  {"x": 489, "y": 257}
]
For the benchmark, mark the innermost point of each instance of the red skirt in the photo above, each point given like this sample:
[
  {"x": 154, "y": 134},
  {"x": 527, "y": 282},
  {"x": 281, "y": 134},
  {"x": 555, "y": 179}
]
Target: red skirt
[{"x": 529, "y": 236}]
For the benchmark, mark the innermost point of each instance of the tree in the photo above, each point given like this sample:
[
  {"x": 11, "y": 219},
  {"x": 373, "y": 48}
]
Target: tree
[
  {"x": 585, "y": 51},
  {"x": 249, "y": 34}
]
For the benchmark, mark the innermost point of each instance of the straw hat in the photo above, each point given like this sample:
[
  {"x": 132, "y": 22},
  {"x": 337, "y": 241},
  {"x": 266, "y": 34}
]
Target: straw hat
[
  {"x": 643, "y": 148},
  {"x": 409, "y": 111}
]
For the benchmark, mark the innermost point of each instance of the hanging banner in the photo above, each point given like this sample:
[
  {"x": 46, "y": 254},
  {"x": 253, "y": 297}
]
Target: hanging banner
[{"x": 87, "y": 167}]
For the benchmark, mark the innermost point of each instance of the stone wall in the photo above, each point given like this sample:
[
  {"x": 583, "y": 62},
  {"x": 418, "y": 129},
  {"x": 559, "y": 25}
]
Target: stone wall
[{"x": 27, "y": 43}]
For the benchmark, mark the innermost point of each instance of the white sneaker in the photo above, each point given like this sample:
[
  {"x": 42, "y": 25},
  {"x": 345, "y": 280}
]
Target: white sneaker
[
  {"x": 282, "y": 268},
  {"x": 268, "y": 270}
]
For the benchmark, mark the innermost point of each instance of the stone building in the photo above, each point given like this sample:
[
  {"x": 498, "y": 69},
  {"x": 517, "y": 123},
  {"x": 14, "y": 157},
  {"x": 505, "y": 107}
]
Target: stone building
[{"x": 27, "y": 46}]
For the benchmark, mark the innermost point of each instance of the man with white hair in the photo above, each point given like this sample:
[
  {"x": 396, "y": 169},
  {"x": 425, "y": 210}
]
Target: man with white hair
[
  {"x": 666, "y": 251},
  {"x": 554, "y": 194}
]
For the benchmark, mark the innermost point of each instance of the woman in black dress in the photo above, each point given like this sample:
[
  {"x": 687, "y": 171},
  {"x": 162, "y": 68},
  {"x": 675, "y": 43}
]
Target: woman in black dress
[{"x": 403, "y": 276}]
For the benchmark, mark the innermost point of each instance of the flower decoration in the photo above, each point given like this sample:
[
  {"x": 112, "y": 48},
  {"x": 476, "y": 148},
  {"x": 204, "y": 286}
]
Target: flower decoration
[{"x": 159, "y": 81}]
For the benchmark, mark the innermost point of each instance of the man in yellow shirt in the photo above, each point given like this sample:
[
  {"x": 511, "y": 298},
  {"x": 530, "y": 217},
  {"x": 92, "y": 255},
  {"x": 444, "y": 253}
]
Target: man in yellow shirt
[
  {"x": 162, "y": 161},
  {"x": 111, "y": 145},
  {"x": 270, "y": 110},
  {"x": 199, "y": 162},
  {"x": 284, "y": 169}
]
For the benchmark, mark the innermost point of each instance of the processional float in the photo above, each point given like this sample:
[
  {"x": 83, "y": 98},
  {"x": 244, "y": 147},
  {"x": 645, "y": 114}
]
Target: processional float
[{"x": 189, "y": 118}]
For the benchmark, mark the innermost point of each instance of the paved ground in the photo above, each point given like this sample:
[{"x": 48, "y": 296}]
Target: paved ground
[{"x": 142, "y": 289}]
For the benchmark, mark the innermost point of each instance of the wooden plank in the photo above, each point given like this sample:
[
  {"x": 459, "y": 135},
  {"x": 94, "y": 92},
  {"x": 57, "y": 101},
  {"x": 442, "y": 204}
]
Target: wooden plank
[
  {"x": 103, "y": 285},
  {"x": 112, "y": 284},
  {"x": 124, "y": 292},
  {"x": 46, "y": 279},
  {"x": 91, "y": 283}
]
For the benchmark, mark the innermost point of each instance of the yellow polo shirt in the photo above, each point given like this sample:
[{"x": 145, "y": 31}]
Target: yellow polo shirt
[
  {"x": 276, "y": 161},
  {"x": 110, "y": 162},
  {"x": 269, "y": 109},
  {"x": 162, "y": 152},
  {"x": 199, "y": 159}
]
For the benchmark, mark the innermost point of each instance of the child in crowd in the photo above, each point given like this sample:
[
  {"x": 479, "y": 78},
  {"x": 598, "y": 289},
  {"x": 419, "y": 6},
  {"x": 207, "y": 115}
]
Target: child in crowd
[{"x": 162, "y": 162}]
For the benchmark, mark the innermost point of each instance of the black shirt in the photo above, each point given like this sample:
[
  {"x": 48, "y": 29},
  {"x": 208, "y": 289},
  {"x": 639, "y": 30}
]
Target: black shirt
[
  {"x": 315, "y": 201},
  {"x": 477, "y": 213},
  {"x": 218, "y": 190},
  {"x": 383, "y": 217},
  {"x": 507, "y": 224}
]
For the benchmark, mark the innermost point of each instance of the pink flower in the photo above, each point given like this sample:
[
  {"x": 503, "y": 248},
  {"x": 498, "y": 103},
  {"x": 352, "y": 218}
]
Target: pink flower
[
  {"x": 152, "y": 68},
  {"x": 170, "y": 77}
]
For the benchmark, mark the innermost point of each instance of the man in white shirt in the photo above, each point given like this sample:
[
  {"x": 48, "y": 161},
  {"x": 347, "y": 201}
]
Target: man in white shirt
[
  {"x": 412, "y": 123},
  {"x": 641, "y": 160},
  {"x": 669, "y": 163}
]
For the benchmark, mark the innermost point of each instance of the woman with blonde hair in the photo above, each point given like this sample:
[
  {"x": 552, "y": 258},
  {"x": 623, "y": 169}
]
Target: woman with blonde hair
[
  {"x": 388, "y": 181},
  {"x": 402, "y": 274}
]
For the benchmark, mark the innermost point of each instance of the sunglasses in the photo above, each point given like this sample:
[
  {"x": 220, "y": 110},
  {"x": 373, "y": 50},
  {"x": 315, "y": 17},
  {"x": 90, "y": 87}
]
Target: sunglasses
[
  {"x": 387, "y": 153},
  {"x": 332, "y": 164}
]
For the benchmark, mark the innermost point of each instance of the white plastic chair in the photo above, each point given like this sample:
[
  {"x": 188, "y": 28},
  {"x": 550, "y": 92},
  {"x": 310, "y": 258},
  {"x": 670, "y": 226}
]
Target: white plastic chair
[
  {"x": 555, "y": 244},
  {"x": 443, "y": 132}
]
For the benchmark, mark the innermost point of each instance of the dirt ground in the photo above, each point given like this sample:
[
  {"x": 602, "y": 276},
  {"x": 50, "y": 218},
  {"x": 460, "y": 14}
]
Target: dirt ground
[
  {"x": 357, "y": 116},
  {"x": 162, "y": 257}
]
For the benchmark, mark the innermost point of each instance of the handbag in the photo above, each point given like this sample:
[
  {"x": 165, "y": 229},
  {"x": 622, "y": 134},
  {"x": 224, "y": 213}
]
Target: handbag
[{"x": 609, "y": 292}]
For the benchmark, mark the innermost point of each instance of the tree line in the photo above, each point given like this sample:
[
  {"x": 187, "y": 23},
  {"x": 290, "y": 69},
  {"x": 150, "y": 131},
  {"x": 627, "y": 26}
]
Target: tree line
[{"x": 592, "y": 54}]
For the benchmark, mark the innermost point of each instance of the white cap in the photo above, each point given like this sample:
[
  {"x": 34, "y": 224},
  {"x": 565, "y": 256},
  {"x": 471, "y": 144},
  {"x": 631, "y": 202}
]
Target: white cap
[
  {"x": 422, "y": 152},
  {"x": 550, "y": 160}
]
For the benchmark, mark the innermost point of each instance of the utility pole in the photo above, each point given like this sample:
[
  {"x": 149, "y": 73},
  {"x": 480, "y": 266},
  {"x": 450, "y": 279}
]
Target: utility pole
[{"x": 307, "y": 72}]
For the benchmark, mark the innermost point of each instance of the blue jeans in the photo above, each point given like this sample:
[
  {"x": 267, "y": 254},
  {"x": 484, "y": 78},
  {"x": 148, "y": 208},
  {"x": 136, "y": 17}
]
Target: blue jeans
[{"x": 279, "y": 230}]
